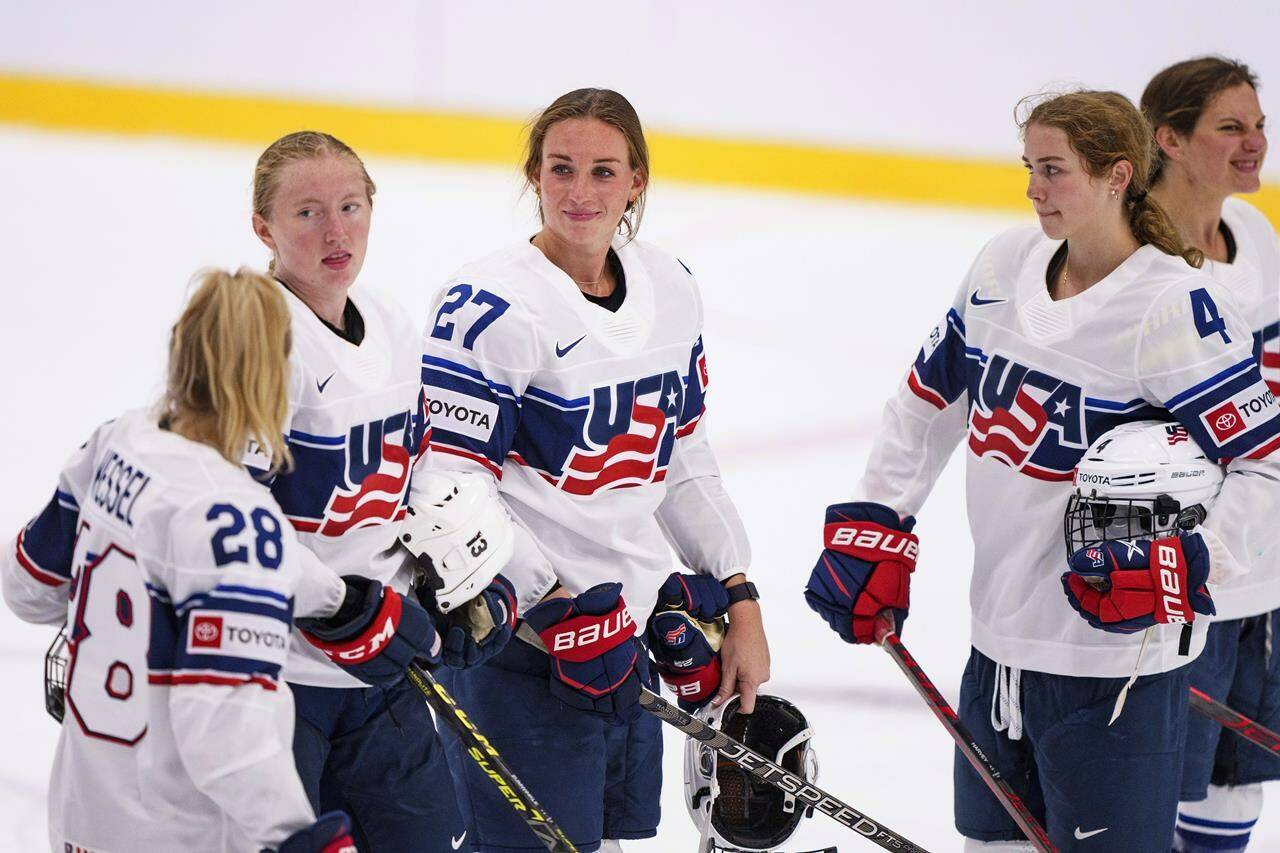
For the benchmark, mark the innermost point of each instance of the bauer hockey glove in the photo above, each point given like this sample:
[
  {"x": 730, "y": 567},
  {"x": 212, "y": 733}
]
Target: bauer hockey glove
[
  {"x": 687, "y": 652},
  {"x": 594, "y": 652},
  {"x": 376, "y": 633},
  {"x": 331, "y": 833},
  {"x": 479, "y": 629},
  {"x": 701, "y": 596},
  {"x": 1126, "y": 586},
  {"x": 865, "y": 567}
]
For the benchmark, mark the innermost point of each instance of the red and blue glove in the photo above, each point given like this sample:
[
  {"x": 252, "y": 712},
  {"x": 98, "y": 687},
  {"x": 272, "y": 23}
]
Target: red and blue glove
[
  {"x": 865, "y": 567},
  {"x": 331, "y": 833},
  {"x": 376, "y": 633},
  {"x": 491, "y": 615},
  {"x": 594, "y": 651},
  {"x": 701, "y": 596},
  {"x": 1127, "y": 586}
]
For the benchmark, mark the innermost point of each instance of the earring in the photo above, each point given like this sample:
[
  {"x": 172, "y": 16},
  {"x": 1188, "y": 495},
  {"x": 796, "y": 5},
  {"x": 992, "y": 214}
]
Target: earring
[{"x": 1114, "y": 194}]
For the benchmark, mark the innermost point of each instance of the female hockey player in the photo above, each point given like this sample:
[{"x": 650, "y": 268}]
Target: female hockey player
[
  {"x": 177, "y": 576},
  {"x": 1209, "y": 128},
  {"x": 567, "y": 373},
  {"x": 358, "y": 425},
  {"x": 1058, "y": 334}
]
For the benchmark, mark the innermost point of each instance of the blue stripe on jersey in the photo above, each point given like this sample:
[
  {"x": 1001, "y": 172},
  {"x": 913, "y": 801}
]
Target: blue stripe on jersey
[
  {"x": 1201, "y": 842},
  {"x": 163, "y": 648},
  {"x": 547, "y": 396},
  {"x": 1114, "y": 406},
  {"x": 1238, "y": 399},
  {"x": 443, "y": 364},
  {"x": 495, "y": 447},
  {"x": 49, "y": 539},
  {"x": 1217, "y": 378},
  {"x": 67, "y": 500},
  {"x": 695, "y": 390},
  {"x": 942, "y": 370},
  {"x": 1216, "y": 824},
  {"x": 297, "y": 435},
  {"x": 260, "y": 602}
]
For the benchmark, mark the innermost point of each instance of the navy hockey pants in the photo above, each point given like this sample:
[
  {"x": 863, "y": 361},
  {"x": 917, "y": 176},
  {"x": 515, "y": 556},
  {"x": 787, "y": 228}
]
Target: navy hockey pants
[
  {"x": 1095, "y": 787},
  {"x": 595, "y": 779},
  {"x": 375, "y": 754}
]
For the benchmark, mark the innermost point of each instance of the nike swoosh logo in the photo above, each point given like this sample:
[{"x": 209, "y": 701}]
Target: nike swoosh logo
[
  {"x": 561, "y": 353},
  {"x": 1081, "y": 836},
  {"x": 320, "y": 385},
  {"x": 457, "y": 842},
  {"x": 978, "y": 302}
]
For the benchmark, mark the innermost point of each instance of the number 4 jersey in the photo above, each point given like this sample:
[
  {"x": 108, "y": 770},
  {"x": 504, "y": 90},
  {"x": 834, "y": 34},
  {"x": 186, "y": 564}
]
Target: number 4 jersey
[
  {"x": 177, "y": 576},
  {"x": 1030, "y": 383}
]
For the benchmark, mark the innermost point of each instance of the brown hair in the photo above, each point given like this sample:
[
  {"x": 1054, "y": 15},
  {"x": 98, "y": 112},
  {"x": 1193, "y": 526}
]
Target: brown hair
[
  {"x": 1104, "y": 128},
  {"x": 612, "y": 109},
  {"x": 291, "y": 148},
  {"x": 1178, "y": 95},
  {"x": 229, "y": 366}
]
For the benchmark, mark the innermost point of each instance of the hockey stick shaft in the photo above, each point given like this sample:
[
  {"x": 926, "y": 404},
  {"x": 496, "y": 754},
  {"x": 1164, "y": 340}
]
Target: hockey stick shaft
[
  {"x": 1012, "y": 803},
  {"x": 1256, "y": 734},
  {"x": 491, "y": 762},
  {"x": 761, "y": 767}
]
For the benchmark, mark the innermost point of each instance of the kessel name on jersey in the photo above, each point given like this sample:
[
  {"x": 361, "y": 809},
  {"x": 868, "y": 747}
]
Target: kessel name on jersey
[{"x": 237, "y": 635}]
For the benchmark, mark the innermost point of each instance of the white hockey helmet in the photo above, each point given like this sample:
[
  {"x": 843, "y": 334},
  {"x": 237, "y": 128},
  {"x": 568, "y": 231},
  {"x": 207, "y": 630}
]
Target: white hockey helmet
[
  {"x": 1138, "y": 481},
  {"x": 732, "y": 809}
]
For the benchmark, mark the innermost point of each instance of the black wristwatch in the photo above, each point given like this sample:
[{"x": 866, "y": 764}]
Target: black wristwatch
[{"x": 745, "y": 591}]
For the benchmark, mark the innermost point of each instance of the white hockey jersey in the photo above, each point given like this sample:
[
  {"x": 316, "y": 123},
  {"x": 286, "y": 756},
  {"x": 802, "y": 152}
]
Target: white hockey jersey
[
  {"x": 1032, "y": 382},
  {"x": 588, "y": 419},
  {"x": 357, "y": 426},
  {"x": 1253, "y": 280},
  {"x": 178, "y": 577}
]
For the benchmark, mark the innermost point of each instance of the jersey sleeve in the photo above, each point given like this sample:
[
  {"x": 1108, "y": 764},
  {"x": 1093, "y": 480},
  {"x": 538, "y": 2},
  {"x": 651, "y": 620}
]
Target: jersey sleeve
[
  {"x": 37, "y": 563},
  {"x": 697, "y": 516},
  {"x": 925, "y": 420},
  {"x": 479, "y": 351},
  {"x": 220, "y": 636},
  {"x": 1195, "y": 358}
]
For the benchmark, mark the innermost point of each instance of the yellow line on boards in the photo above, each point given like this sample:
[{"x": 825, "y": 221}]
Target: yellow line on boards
[{"x": 76, "y": 105}]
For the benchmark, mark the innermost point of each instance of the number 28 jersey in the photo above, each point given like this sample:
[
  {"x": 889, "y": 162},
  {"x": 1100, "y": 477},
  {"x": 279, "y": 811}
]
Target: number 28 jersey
[
  {"x": 1029, "y": 383},
  {"x": 177, "y": 576}
]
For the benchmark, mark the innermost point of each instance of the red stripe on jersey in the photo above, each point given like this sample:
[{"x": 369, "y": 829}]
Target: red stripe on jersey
[
  {"x": 927, "y": 394},
  {"x": 45, "y": 577},
  {"x": 474, "y": 457},
  {"x": 1046, "y": 474},
  {"x": 689, "y": 427},
  {"x": 1265, "y": 450},
  {"x": 173, "y": 679}
]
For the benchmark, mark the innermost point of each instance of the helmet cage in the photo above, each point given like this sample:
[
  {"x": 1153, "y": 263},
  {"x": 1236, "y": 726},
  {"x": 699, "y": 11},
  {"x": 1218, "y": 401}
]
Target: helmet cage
[{"x": 1091, "y": 521}]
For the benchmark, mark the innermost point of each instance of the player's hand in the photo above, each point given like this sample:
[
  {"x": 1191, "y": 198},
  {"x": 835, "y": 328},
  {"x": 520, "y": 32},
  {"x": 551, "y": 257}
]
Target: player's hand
[
  {"x": 865, "y": 567},
  {"x": 1127, "y": 586},
  {"x": 376, "y": 633},
  {"x": 593, "y": 649},
  {"x": 744, "y": 657},
  {"x": 331, "y": 833},
  {"x": 701, "y": 596},
  {"x": 479, "y": 629},
  {"x": 687, "y": 652}
]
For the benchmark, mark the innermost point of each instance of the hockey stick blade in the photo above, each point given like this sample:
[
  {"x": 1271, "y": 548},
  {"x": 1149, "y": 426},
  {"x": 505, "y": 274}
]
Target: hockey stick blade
[
  {"x": 491, "y": 762},
  {"x": 1012, "y": 803},
  {"x": 1258, "y": 735},
  {"x": 761, "y": 767}
]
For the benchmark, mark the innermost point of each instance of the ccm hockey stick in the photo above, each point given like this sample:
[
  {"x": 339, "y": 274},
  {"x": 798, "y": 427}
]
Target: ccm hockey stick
[
  {"x": 1259, "y": 736},
  {"x": 888, "y": 640},
  {"x": 761, "y": 767},
  {"x": 490, "y": 762}
]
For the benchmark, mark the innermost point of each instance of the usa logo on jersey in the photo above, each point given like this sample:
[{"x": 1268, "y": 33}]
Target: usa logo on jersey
[
  {"x": 357, "y": 480},
  {"x": 627, "y": 436}
]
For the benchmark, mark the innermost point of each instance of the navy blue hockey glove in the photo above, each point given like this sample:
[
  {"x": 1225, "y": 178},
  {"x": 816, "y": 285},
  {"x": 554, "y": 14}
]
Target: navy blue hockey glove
[
  {"x": 594, "y": 651},
  {"x": 331, "y": 833},
  {"x": 481, "y": 628},
  {"x": 376, "y": 633},
  {"x": 701, "y": 596},
  {"x": 1126, "y": 586},
  {"x": 865, "y": 567},
  {"x": 687, "y": 652}
]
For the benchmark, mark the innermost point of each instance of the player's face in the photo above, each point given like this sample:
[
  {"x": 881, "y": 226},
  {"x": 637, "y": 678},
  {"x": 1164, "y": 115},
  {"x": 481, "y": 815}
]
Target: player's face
[
  {"x": 1065, "y": 197},
  {"x": 319, "y": 223},
  {"x": 585, "y": 182},
  {"x": 1227, "y": 146}
]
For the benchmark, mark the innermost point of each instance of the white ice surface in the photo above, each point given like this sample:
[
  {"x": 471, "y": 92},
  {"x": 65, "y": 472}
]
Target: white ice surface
[{"x": 814, "y": 309}]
